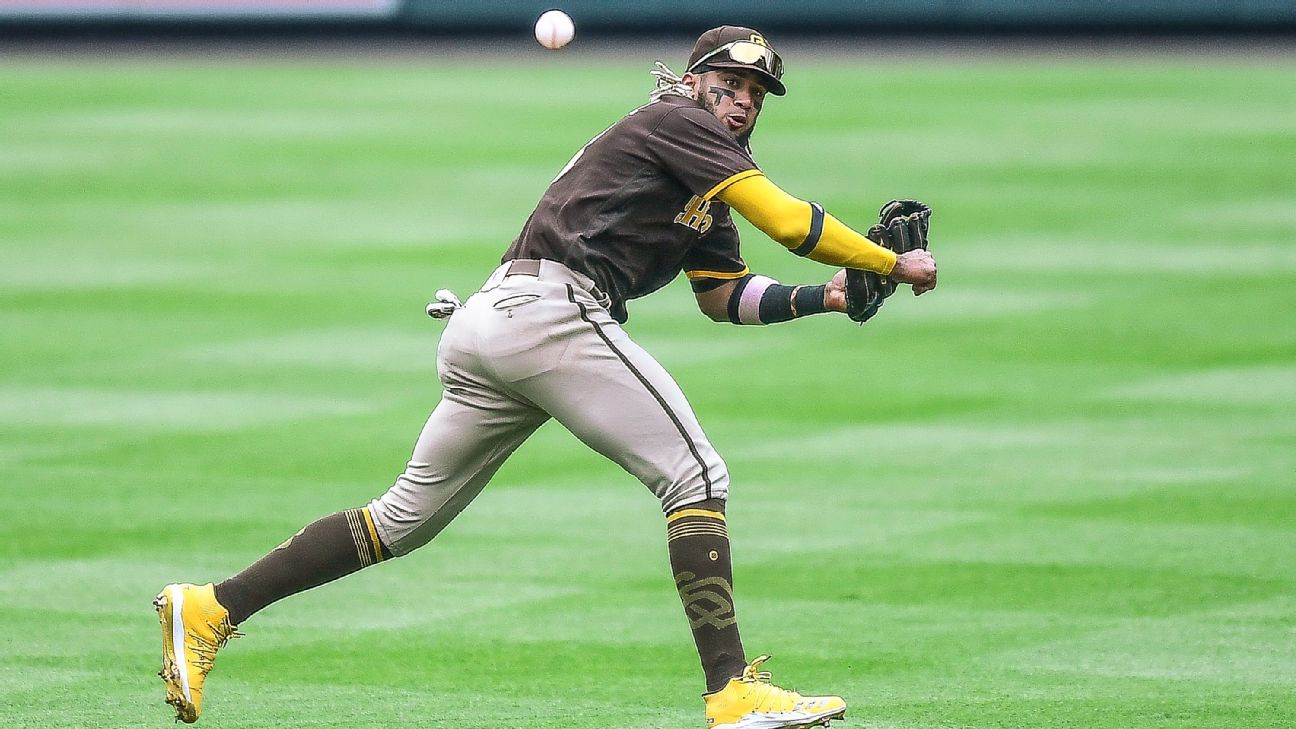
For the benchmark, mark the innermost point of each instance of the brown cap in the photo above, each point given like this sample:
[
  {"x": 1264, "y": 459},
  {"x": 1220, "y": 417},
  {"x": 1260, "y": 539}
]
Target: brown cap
[{"x": 707, "y": 55}]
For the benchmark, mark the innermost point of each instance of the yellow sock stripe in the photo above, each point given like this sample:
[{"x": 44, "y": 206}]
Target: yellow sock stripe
[
  {"x": 696, "y": 523},
  {"x": 362, "y": 539},
  {"x": 721, "y": 536},
  {"x": 677, "y": 515},
  {"x": 693, "y": 526},
  {"x": 357, "y": 537},
  {"x": 373, "y": 534},
  {"x": 714, "y": 526},
  {"x": 698, "y": 532}
]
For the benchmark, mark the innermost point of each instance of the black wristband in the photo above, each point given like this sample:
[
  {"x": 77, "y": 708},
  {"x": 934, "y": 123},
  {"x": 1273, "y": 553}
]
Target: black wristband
[
  {"x": 784, "y": 303},
  {"x": 809, "y": 300},
  {"x": 776, "y": 304}
]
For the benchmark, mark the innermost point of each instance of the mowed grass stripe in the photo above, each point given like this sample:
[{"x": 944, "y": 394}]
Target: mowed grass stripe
[{"x": 1056, "y": 492}]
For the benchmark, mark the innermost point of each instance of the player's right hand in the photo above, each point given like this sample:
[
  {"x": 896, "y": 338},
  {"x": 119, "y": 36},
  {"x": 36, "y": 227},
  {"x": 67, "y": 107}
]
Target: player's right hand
[
  {"x": 835, "y": 292},
  {"x": 916, "y": 267}
]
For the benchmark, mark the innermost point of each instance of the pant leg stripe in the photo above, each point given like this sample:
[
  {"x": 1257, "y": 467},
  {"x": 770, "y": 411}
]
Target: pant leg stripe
[{"x": 584, "y": 315}]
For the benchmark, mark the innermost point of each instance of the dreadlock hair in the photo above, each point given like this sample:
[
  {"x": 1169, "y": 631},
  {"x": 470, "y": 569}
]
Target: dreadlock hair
[{"x": 668, "y": 83}]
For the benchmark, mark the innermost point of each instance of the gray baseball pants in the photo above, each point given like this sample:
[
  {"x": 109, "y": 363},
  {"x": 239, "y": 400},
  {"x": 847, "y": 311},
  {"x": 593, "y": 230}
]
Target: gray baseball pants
[{"x": 521, "y": 350}]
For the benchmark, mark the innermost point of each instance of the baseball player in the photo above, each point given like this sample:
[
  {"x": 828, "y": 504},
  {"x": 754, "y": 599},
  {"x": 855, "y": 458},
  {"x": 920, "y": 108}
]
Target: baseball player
[{"x": 644, "y": 200}]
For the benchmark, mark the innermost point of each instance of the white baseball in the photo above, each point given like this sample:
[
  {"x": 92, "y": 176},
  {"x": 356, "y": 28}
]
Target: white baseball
[{"x": 554, "y": 29}]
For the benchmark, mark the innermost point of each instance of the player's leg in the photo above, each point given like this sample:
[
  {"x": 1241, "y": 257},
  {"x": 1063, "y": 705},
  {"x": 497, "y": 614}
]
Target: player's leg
[
  {"x": 620, "y": 401},
  {"x": 460, "y": 448},
  {"x": 457, "y": 454},
  {"x": 463, "y": 443},
  {"x": 697, "y": 542}
]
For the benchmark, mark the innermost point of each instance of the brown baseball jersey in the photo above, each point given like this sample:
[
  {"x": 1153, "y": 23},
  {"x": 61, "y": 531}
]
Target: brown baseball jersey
[{"x": 635, "y": 206}]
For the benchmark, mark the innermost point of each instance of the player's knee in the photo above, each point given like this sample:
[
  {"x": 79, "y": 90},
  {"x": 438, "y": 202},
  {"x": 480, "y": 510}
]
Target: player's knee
[
  {"x": 700, "y": 485},
  {"x": 403, "y": 519},
  {"x": 403, "y": 530},
  {"x": 419, "y": 506},
  {"x": 392, "y": 524}
]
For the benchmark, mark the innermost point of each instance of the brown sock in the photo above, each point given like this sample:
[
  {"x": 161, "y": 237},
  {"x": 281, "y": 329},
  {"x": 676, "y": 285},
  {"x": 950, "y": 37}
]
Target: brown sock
[
  {"x": 698, "y": 543},
  {"x": 323, "y": 551}
]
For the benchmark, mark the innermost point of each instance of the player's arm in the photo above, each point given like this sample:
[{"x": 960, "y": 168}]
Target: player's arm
[
  {"x": 807, "y": 230},
  {"x": 755, "y": 299}
]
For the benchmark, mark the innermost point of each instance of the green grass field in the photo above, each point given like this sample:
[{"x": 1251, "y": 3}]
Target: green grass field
[{"x": 1057, "y": 492}]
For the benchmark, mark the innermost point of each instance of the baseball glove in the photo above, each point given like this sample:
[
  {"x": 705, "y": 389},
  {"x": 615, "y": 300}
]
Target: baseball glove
[{"x": 902, "y": 227}]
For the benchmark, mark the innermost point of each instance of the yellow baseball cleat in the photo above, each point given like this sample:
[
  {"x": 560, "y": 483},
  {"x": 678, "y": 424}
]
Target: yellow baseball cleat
[
  {"x": 194, "y": 627},
  {"x": 752, "y": 702}
]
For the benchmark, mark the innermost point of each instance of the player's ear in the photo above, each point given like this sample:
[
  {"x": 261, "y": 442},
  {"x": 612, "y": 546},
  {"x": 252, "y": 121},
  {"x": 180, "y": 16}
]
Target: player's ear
[{"x": 691, "y": 80}]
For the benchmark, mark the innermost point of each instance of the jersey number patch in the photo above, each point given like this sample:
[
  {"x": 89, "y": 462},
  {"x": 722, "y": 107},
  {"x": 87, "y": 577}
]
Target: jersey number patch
[{"x": 695, "y": 215}]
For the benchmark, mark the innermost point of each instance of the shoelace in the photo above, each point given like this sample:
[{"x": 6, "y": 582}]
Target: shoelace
[
  {"x": 750, "y": 674},
  {"x": 204, "y": 651},
  {"x": 753, "y": 674}
]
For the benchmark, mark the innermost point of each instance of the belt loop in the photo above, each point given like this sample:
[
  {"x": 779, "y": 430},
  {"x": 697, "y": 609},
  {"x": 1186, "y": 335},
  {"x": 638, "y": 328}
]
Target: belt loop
[{"x": 496, "y": 277}]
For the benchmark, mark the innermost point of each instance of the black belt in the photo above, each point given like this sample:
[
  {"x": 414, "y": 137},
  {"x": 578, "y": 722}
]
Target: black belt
[{"x": 531, "y": 267}]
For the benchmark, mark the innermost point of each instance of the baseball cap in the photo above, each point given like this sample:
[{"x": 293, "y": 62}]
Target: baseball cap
[{"x": 733, "y": 46}]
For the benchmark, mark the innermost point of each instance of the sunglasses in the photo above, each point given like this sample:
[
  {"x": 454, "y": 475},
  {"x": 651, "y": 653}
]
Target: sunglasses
[{"x": 746, "y": 53}]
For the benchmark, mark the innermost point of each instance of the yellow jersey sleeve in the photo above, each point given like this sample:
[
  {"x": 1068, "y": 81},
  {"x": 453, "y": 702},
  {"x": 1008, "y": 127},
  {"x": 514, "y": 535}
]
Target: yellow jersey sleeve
[{"x": 803, "y": 227}]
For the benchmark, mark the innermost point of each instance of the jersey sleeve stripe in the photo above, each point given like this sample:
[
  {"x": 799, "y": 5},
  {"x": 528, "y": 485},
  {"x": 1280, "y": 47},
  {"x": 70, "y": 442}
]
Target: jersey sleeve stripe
[
  {"x": 724, "y": 275},
  {"x": 731, "y": 179},
  {"x": 816, "y": 231}
]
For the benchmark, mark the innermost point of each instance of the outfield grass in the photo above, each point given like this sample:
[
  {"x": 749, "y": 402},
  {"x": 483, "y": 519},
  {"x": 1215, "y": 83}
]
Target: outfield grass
[{"x": 1057, "y": 492}]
